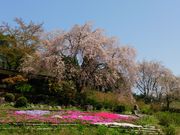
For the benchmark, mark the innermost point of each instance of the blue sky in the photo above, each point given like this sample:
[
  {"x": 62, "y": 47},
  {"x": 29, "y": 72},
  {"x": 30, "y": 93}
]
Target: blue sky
[{"x": 151, "y": 26}]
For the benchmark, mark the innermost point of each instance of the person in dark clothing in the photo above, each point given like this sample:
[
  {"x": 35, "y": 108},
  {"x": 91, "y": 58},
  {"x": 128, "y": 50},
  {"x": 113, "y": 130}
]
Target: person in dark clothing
[{"x": 136, "y": 110}]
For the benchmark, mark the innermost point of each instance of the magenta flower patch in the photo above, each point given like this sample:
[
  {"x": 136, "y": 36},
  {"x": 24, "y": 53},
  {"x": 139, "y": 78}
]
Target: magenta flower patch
[{"x": 68, "y": 117}]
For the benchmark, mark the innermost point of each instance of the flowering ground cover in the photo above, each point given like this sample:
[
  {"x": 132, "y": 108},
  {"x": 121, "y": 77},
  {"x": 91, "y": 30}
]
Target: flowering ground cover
[
  {"x": 58, "y": 117},
  {"x": 22, "y": 121}
]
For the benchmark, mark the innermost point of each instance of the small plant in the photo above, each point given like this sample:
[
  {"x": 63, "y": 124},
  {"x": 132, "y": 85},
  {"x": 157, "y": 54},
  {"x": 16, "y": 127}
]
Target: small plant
[
  {"x": 21, "y": 102},
  {"x": 119, "y": 108},
  {"x": 155, "y": 107},
  {"x": 170, "y": 130},
  {"x": 106, "y": 100},
  {"x": 98, "y": 106},
  {"x": 65, "y": 91},
  {"x": 101, "y": 130},
  {"x": 144, "y": 108},
  {"x": 147, "y": 120},
  {"x": 167, "y": 118},
  {"x": 24, "y": 88},
  {"x": 9, "y": 97}
]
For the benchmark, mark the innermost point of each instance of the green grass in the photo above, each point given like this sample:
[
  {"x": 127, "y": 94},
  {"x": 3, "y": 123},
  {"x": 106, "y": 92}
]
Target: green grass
[
  {"x": 63, "y": 130},
  {"x": 148, "y": 120},
  {"x": 169, "y": 122},
  {"x": 168, "y": 118},
  {"x": 164, "y": 120}
]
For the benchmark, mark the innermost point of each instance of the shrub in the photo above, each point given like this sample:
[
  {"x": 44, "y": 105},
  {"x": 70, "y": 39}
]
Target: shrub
[
  {"x": 164, "y": 119},
  {"x": 98, "y": 106},
  {"x": 101, "y": 130},
  {"x": 144, "y": 108},
  {"x": 81, "y": 99},
  {"x": 167, "y": 118},
  {"x": 21, "y": 102},
  {"x": 170, "y": 130},
  {"x": 155, "y": 107},
  {"x": 41, "y": 98},
  {"x": 9, "y": 97},
  {"x": 119, "y": 108},
  {"x": 65, "y": 91},
  {"x": 107, "y": 100},
  {"x": 23, "y": 88}
]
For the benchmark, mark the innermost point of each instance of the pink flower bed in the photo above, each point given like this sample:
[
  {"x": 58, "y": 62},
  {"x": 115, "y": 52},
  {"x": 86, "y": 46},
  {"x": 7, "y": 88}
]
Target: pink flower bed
[{"x": 66, "y": 117}]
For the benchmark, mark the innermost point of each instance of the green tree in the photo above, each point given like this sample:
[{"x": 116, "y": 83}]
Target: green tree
[{"x": 17, "y": 41}]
